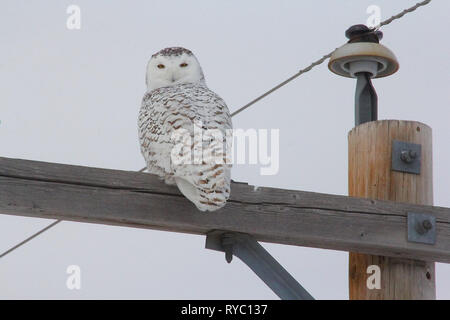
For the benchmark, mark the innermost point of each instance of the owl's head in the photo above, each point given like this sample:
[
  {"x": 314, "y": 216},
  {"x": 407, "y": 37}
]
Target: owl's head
[{"x": 172, "y": 66}]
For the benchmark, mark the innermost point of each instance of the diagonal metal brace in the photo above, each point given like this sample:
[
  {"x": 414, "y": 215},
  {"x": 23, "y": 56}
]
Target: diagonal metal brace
[{"x": 246, "y": 248}]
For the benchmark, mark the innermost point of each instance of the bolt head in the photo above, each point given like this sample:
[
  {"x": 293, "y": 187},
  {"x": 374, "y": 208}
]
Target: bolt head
[
  {"x": 404, "y": 156},
  {"x": 408, "y": 156},
  {"x": 427, "y": 224},
  {"x": 228, "y": 256}
]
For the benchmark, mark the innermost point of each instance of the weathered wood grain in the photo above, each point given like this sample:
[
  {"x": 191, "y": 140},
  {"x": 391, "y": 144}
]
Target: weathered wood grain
[
  {"x": 370, "y": 176},
  {"x": 114, "y": 197}
]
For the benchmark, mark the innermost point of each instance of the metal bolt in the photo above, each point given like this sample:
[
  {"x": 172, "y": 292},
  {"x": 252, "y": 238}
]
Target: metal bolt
[
  {"x": 227, "y": 244},
  {"x": 427, "y": 224},
  {"x": 424, "y": 227},
  {"x": 408, "y": 156}
]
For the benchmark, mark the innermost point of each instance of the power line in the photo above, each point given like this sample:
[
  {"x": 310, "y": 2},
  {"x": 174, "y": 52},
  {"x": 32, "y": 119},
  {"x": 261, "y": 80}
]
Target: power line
[
  {"x": 325, "y": 57},
  {"x": 401, "y": 14},
  {"x": 30, "y": 238},
  {"x": 312, "y": 65},
  {"x": 265, "y": 94}
]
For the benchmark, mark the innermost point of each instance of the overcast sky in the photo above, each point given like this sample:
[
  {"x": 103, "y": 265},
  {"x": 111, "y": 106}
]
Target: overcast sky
[{"x": 73, "y": 96}]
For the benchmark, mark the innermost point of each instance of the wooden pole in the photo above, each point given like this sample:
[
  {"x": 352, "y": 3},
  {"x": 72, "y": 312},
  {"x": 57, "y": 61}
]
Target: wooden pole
[{"x": 370, "y": 176}]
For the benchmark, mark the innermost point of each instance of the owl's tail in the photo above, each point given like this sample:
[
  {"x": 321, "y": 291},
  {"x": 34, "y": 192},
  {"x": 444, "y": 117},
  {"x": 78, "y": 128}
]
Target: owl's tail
[{"x": 209, "y": 192}]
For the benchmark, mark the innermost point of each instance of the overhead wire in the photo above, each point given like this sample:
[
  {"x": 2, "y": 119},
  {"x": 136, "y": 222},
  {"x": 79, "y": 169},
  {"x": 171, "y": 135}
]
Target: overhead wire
[{"x": 325, "y": 57}]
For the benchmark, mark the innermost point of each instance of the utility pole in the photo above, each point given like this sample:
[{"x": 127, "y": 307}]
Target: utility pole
[
  {"x": 388, "y": 160},
  {"x": 370, "y": 150}
]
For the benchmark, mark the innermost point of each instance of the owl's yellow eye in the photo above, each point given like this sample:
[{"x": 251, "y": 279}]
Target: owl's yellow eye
[
  {"x": 161, "y": 66},
  {"x": 184, "y": 64}
]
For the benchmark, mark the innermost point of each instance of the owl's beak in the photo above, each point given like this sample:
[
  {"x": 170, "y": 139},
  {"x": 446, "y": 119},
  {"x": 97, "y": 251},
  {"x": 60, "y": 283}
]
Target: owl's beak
[{"x": 173, "y": 78}]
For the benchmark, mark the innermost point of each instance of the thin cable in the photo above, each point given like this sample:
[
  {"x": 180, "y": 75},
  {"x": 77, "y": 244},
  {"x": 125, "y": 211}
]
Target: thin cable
[
  {"x": 308, "y": 68},
  {"x": 312, "y": 65},
  {"x": 29, "y": 238},
  {"x": 325, "y": 57},
  {"x": 401, "y": 14}
]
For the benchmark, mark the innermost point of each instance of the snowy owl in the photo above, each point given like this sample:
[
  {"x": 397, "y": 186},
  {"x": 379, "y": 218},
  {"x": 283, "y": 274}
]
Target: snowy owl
[{"x": 175, "y": 109}]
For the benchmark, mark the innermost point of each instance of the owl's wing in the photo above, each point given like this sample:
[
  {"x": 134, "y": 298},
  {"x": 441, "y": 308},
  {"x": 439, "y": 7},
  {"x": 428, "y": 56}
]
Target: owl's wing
[
  {"x": 206, "y": 179},
  {"x": 154, "y": 136},
  {"x": 182, "y": 111}
]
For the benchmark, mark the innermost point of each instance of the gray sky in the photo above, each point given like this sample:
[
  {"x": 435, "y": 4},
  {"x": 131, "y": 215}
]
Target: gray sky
[{"x": 72, "y": 96}]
